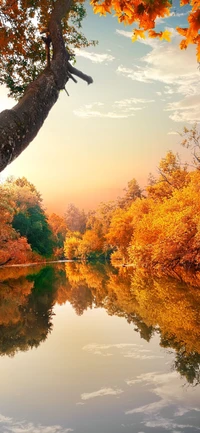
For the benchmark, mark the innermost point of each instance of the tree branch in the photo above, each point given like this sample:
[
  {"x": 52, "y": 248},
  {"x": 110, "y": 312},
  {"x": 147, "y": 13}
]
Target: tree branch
[{"x": 79, "y": 74}]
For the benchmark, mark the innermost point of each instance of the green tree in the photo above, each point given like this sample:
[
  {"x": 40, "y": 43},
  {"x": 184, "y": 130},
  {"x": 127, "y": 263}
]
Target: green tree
[
  {"x": 33, "y": 224},
  {"x": 26, "y": 310},
  {"x": 29, "y": 219}
]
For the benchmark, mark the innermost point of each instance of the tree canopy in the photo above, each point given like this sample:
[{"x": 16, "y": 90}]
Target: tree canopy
[{"x": 37, "y": 40}]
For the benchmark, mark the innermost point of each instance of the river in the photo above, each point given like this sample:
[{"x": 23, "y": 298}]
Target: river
[{"x": 95, "y": 349}]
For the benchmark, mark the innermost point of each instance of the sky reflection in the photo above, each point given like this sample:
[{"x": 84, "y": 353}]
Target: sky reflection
[{"x": 93, "y": 372}]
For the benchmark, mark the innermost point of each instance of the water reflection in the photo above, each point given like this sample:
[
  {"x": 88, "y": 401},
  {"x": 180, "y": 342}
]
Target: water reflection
[
  {"x": 163, "y": 306},
  {"x": 122, "y": 347}
]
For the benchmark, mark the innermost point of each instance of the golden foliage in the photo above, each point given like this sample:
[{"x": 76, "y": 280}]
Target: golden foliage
[{"x": 144, "y": 13}]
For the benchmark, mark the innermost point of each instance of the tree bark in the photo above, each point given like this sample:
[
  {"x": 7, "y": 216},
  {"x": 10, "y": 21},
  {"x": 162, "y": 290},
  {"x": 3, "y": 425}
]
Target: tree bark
[{"x": 20, "y": 125}]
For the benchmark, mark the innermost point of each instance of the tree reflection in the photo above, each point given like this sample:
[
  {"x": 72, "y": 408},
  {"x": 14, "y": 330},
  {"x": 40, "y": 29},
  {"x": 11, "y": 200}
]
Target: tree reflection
[
  {"x": 186, "y": 363},
  {"x": 25, "y": 310},
  {"x": 164, "y": 306}
]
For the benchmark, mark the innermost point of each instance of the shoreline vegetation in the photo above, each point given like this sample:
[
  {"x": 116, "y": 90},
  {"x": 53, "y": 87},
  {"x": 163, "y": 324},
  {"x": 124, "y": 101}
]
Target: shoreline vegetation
[{"x": 156, "y": 230}]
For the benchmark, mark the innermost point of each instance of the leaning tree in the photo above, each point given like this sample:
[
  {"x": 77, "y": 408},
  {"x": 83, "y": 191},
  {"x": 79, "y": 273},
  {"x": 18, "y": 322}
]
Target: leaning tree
[{"x": 37, "y": 38}]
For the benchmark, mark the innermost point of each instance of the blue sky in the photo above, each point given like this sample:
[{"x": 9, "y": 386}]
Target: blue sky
[{"x": 103, "y": 135}]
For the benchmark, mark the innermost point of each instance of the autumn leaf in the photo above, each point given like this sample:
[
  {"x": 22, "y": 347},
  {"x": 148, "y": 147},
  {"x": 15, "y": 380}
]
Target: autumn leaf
[
  {"x": 137, "y": 33},
  {"x": 183, "y": 44},
  {"x": 166, "y": 35},
  {"x": 182, "y": 31}
]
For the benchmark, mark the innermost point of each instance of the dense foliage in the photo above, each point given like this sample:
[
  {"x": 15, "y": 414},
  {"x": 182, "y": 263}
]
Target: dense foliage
[
  {"x": 26, "y": 234},
  {"x": 157, "y": 228},
  {"x": 23, "y": 47}
]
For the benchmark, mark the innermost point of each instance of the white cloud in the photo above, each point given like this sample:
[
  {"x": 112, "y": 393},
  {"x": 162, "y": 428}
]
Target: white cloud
[
  {"x": 126, "y": 350},
  {"x": 131, "y": 101},
  {"x": 89, "y": 106},
  {"x": 124, "y": 33},
  {"x": 186, "y": 116},
  {"x": 185, "y": 110},
  {"x": 168, "y": 424},
  {"x": 177, "y": 70},
  {"x": 168, "y": 392},
  {"x": 167, "y": 64},
  {"x": 101, "y": 393},
  {"x": 147, "y": 41},
  {"x": 179, "y": 14},
  {"x": 137, "y": 73},
  {"x": 136, "y": 355},
  {"x": 5, "y": 419},
  {"x": 94, "y": 57},
  {"x": 118, "y": 110},
  {"x": 82, "y": 112},
  {"x": 180, "y": 411},
  {"x": 168, "y": 90},
  {"x": 188, "y": 102},
  {"x": 148, "y": 408},
  {"x": 100, "y": 349},
  {"x": 153, "y": 378},
  {"x": 9, "y": 425}
]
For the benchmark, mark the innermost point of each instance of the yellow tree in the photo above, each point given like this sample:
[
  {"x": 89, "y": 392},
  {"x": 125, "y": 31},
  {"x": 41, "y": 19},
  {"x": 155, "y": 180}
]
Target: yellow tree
[
  {"x": 71, "y": 246},
  {"x": 91, "y": 245},
  {"x": 169, "y": 234},
  {"x": 123, "y": 225},
  {"x": 58, "y": 227},
  {"x": 120, "y": 231},
  {"x": 172, "y": 175}
]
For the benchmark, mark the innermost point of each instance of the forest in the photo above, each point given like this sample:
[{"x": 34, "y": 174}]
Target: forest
[{"x": 155, "y": 228}]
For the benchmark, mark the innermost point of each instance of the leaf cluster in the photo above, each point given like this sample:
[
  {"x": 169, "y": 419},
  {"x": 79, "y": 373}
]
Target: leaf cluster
[
  {"x": 145, "y": 12},
  {"x": 23, "y": 54}
]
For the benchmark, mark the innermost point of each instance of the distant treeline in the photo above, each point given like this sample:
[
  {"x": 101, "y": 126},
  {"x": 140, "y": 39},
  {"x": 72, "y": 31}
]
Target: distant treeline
[{"x": 157, "y": 228}]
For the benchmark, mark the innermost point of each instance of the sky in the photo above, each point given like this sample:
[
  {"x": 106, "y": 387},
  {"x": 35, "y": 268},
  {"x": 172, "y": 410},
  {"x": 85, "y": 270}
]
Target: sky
[{"x": 103, "y": 135}]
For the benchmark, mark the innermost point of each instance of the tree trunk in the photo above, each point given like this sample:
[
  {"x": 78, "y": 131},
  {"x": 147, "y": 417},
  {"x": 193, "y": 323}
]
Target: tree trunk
[{"x": 20, "y": 125}]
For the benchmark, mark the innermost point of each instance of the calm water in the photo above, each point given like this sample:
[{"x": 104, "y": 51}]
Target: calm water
[{"x": 93, "y": 349}]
